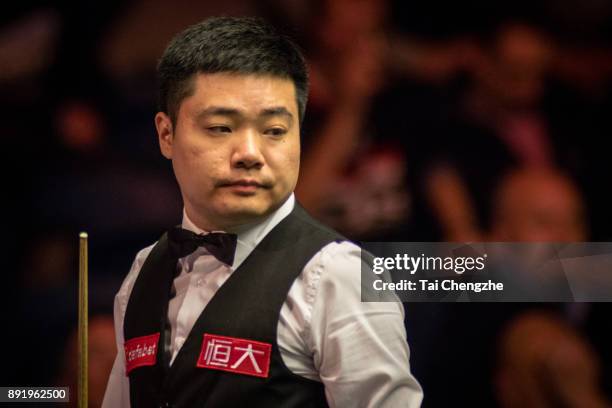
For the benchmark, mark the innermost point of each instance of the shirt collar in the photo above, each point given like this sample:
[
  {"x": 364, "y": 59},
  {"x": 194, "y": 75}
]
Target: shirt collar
[{"x": 249, "y": 235}]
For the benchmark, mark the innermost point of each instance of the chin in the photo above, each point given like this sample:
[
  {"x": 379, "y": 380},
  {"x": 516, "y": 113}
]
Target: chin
[{"x": 245, "y": 211}]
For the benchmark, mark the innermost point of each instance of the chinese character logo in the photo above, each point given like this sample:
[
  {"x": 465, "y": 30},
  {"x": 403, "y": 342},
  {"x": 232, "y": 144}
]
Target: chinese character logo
[
  {"x": 218, "y": 352},
  {"x": 235, "y": 355}
]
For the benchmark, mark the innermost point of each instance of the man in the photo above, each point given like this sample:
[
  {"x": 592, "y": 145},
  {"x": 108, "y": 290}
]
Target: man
[
  {"x": 538, "y": 205},
  {"x": 277, "y": 321}
]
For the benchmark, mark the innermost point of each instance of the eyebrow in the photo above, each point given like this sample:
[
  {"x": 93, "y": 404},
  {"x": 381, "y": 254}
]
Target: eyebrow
[
  {"x": 217, "y": 110},
  {"x": 276, "y": 111},
  {"x": 225, "y": 111}
]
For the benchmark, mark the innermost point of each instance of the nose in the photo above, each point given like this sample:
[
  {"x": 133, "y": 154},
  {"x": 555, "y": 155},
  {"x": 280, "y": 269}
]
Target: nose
[{"x": 247, "y": 152}]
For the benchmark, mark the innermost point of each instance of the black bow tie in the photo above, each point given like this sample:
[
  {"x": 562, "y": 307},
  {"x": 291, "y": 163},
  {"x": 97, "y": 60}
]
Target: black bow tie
[{"x": 220, "y": 244}]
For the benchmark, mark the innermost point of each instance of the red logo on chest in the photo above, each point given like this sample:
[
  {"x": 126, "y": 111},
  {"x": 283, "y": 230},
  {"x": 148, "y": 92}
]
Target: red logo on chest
[
  {"x": 140, "y": 351},
  {"x": 235, "y": 355}
]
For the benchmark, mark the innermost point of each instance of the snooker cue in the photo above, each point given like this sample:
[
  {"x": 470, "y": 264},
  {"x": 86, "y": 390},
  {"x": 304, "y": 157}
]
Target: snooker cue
[{"x": 83, "y": 326}]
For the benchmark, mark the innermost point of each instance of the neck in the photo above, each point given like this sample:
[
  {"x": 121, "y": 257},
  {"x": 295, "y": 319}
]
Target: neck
[
  {"x": 235, "y": 224},
  {"x": 202, "y": 222}
]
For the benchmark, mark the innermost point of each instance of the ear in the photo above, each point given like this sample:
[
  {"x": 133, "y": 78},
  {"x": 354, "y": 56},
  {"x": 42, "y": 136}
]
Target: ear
[{"x": 165, "y": 133}]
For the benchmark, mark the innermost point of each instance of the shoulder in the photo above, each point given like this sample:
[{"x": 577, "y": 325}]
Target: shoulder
[
  {"x": 340, "y": 264},
  {"x": 340, "y": 256},
  {"x": 342, "y": 272},
  {"x": 123, "y": 295},
  {"x": 128, "y": 282}
]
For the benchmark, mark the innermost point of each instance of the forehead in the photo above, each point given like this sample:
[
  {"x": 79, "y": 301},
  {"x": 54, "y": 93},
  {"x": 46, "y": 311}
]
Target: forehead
[{"x": 249, "y": 93}]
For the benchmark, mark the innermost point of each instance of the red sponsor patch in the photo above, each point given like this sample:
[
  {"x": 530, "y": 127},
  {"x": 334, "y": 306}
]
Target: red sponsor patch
[
  {"x": 140, "y": 351},
  {"x": 235, "y": 355}
]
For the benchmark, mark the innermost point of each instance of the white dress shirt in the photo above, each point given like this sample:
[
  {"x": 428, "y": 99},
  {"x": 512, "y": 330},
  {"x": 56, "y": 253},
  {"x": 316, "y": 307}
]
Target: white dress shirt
[{"x": 358, "y": 350}]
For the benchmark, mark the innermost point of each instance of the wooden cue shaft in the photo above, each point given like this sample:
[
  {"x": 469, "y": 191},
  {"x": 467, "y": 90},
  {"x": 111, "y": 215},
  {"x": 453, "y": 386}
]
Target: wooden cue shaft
[{"x": 83, "y": 324}]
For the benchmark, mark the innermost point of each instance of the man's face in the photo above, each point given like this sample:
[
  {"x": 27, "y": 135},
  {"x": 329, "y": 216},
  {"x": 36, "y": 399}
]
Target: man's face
[{"x": 235, "y": 148}]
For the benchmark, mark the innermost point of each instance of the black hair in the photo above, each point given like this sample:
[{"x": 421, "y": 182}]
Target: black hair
[{"x": 242, "y": 45}]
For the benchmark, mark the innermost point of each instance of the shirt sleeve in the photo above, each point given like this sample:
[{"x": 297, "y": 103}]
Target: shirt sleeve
[
  {"x": 117, "y": 393},
  {"x": 359, "y": 348}
]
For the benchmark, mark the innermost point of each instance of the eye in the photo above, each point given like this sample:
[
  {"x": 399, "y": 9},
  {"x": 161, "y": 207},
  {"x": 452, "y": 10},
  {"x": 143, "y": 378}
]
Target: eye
[
  {"x": 219, "y": 129},
  {"x": 275, "y": 131}
]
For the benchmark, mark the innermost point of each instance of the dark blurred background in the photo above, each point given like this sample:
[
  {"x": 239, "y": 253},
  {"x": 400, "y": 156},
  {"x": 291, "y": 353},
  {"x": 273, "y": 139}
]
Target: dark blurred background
[{"x": 427, "y": 121}]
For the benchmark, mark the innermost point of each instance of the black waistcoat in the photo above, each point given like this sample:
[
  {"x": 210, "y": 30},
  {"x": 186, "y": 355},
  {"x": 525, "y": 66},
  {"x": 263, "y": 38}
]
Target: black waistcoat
[{"x": 246, "y": 306}]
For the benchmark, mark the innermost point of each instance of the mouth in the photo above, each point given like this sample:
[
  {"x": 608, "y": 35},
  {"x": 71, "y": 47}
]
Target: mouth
[{"x": 244, "y": 186}]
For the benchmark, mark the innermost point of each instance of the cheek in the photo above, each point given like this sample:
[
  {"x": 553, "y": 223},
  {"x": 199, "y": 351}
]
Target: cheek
[
  {"x": 199, "y": 165},
  {"x": 289, "y": 164},
  {"x": 294, "y": 164}
]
